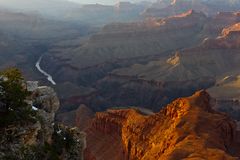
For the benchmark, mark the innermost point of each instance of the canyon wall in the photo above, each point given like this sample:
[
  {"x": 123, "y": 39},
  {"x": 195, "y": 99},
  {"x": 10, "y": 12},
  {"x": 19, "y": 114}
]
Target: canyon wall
[{"x": 186, "y": 128}]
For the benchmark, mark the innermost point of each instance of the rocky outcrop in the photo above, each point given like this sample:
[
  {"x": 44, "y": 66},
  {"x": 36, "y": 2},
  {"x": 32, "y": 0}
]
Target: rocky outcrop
[
  {"x": 229, "y": 39},
  {"x": 45, "y": 99},
  {"x": 186, "y": 128},
  {"x": 233, "y": 28},
  {"x": 35, "y": 139},
  {"x": 221, "y": 21},
  {"x": 39, "y": 131}
]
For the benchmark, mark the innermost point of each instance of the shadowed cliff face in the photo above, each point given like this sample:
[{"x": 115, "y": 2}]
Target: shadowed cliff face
[
  {"x": 120, "y": 90},
  {"x": 186, "y": 128}
]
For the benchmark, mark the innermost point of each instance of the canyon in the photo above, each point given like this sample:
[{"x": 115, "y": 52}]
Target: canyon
[
  {"x": 119, "y": 72},
  {"x": 92, "y": 61},
  {"x": 134, "y": 67},
  {"x": 126, "y": 56}
]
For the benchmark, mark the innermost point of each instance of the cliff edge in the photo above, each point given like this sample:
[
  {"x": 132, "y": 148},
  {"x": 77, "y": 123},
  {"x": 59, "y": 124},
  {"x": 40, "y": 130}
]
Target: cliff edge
[{"x": 187, "y": 128}]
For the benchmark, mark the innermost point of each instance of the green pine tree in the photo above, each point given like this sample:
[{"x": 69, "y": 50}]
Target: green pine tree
[{"x": 13, "y": 95}]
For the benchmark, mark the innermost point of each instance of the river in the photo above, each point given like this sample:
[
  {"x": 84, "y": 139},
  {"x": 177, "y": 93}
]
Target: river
[{"x": 49, "y": 77}]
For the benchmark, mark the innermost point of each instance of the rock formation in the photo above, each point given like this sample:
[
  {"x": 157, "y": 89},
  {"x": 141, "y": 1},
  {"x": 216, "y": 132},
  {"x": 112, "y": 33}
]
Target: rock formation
[
  {"x": 45, "y": 99},
  {"x": 187, "y": 128},
  {"x": 128, "y": 55},
  {"x": 210, "y": 7},
  {"x": 34, "y": 139},
  {"x": 116, "y": 41},
  {"x": 185, "y": 72},
  {"x": 119, "y": 45}
]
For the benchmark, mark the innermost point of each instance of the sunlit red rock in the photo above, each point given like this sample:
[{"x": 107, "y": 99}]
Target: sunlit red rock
[
  {"x": 188, "y": 128},
  {"x": 229, "y": 38}
]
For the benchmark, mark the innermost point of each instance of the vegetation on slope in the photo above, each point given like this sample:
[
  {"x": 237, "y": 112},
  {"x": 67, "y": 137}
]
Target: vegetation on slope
[{"x": 13, "y": 94}]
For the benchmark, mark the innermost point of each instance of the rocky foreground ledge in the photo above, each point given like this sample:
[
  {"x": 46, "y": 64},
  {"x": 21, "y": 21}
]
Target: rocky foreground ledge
[{"x": 39, "y": 139}]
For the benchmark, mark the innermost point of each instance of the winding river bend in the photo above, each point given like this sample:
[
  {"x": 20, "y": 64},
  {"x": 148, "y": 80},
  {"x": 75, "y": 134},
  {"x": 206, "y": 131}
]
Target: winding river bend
[{"x": 49, "y": 77}]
